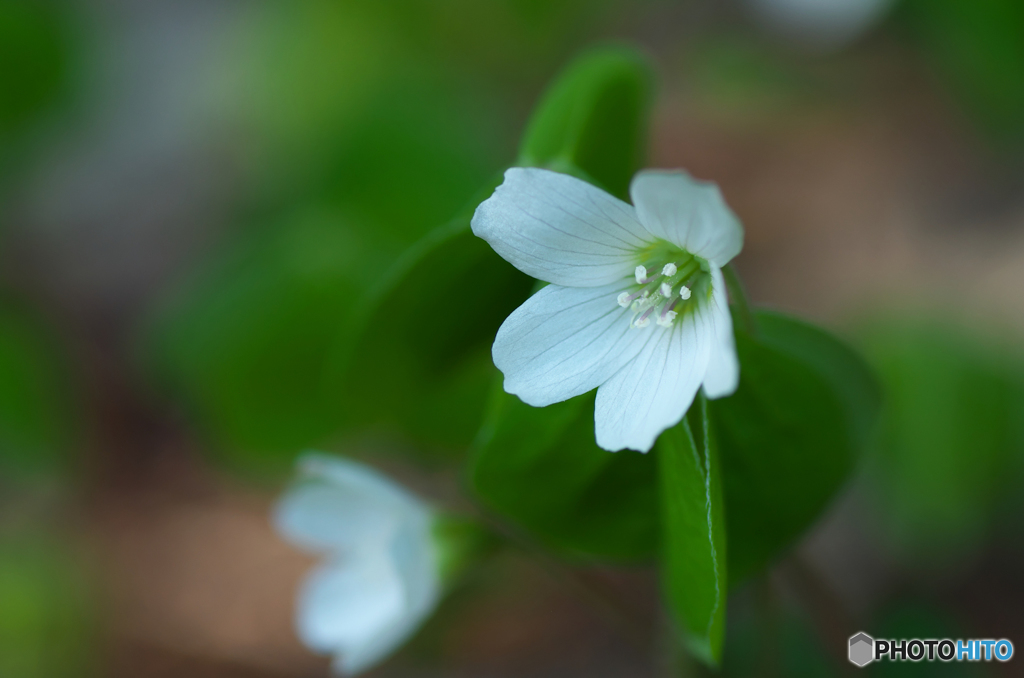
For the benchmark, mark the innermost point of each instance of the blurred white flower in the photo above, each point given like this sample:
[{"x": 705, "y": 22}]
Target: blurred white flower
[
  {"x": 636, "y": 307},
  {"x": 381, "y": 575},
  {"x": 820, "y": 24}
]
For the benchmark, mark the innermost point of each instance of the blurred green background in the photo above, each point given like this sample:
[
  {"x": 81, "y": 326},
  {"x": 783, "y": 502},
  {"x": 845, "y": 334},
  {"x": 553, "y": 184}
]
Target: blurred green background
[{"x": 199, "y": 197}]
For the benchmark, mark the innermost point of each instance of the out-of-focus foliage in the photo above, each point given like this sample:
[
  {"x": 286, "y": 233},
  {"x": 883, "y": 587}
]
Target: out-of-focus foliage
[
  {"x": 246, "y": 343},
  {"x": 542, "y": 469},
  {"x": 978, "y": 48},
  {"x": 46, "y": 624},
  {"x": 952, "y": 444},
  {"x": 249, "y": 342},
  {"x": 427, "y": 329},
  {"x": 693, "y": 555},
  {"x": 34, "y": 61},
  {"x": 35, "y": 406},
  {"x": 790, "y": 435}
]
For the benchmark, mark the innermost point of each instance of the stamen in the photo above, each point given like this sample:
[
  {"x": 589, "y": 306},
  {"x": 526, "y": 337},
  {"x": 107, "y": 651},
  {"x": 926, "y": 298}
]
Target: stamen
[
  {"x": 638, "y": 293},
  {"x": 644, "y": 319},
  {"x": 666, "y": 290},
  {"x": 641, "y": 275},
  {"x": 667, "y": 317},
  {"x": 669, "y": 270},
  {"x": 644, "y": 302},
  {"x": 684, "y": 293},
  {"x": 625, "y": 299}
]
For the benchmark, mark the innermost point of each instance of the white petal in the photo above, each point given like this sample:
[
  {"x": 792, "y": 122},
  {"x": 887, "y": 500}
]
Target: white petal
[
  {"x": 346, "y": 606},
  {"x": 653, "y": 392},
  {"x": 723, "y": 375},
  {"x": 689, "y": 213},
  {"x": 560, "y": 229},
  {"x": 343, "y": 505},
  {"x": 414, "y": 556},
  {"x": 564, "y": 341}
]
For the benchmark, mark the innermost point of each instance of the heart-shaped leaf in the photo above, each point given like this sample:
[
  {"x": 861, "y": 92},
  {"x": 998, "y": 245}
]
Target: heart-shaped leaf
[
  {"x": 542, "y": 469},
  {"x": 790, "y": 435}
]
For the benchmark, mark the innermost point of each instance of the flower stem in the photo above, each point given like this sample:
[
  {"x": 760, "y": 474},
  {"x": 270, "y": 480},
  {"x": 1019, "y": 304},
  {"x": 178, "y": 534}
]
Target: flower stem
[{"x": 738, "y": 293}]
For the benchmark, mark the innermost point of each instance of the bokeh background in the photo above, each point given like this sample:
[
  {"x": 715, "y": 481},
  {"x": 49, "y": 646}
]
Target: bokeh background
[{"x": 192, "y": 191}]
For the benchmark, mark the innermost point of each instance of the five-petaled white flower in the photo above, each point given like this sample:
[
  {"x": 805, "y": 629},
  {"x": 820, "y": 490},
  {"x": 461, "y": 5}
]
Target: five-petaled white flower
[
  {"x": 637, "y": 305},
  {"x": 381, "y": 577}
]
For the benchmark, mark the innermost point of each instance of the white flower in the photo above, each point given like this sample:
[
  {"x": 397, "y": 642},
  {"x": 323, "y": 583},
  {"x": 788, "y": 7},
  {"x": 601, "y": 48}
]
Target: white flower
[
  {"x": 824, "y": 24},
  {"x": 613, "y": 270},
  {"x": 380, "y": 578}
]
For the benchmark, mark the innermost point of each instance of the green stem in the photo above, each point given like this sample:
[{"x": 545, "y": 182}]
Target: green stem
[{"x": 738, "y": 293}]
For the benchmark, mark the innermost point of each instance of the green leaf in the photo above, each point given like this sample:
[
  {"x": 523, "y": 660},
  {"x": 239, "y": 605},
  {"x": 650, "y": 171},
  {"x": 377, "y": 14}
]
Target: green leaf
[
  {"x": 35, "y": 407},
  {"x": 593, "y": 120},
  {"x": 542, "y": 469},
  {"x": 790, "y": 435},
  {"x": 694, "y": 539},
  {"x": 418, "y": 358}
]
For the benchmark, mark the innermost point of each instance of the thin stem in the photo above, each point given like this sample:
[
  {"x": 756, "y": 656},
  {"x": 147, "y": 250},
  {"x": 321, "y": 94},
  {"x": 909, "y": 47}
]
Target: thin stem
[{"x": 739, "y": 297}]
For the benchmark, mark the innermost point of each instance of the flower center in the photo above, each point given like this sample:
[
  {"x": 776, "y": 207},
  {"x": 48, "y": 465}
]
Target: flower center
[{"x": 663, "y": 289}]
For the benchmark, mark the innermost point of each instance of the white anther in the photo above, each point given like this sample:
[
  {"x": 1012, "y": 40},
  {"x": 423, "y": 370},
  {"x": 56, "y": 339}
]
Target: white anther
[
  {"x": 669, "y": 270},
  {"x": 667, "y": 319},
  {"x": 684, "y": 293},
  {"x": 666, "y": 290},
  {"x": 641, "y": 275},
  {"x": 642, "y": 322},
  {"x": 624, "y": 300}
]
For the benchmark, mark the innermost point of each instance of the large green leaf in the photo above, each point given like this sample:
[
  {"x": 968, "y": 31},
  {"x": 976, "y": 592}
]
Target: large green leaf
[
  {"x": 592, "y": 121},
  {"x": 542, "y": 469},
  {"x": 418, "y": 359},
  {"x": 790, "y": 435},
  {"x": 693, "y": 533}
]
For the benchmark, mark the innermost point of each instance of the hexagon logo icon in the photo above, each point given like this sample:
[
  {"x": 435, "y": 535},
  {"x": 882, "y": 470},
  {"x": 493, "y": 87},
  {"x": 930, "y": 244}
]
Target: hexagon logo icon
[{"x": 862, "y": 649}]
